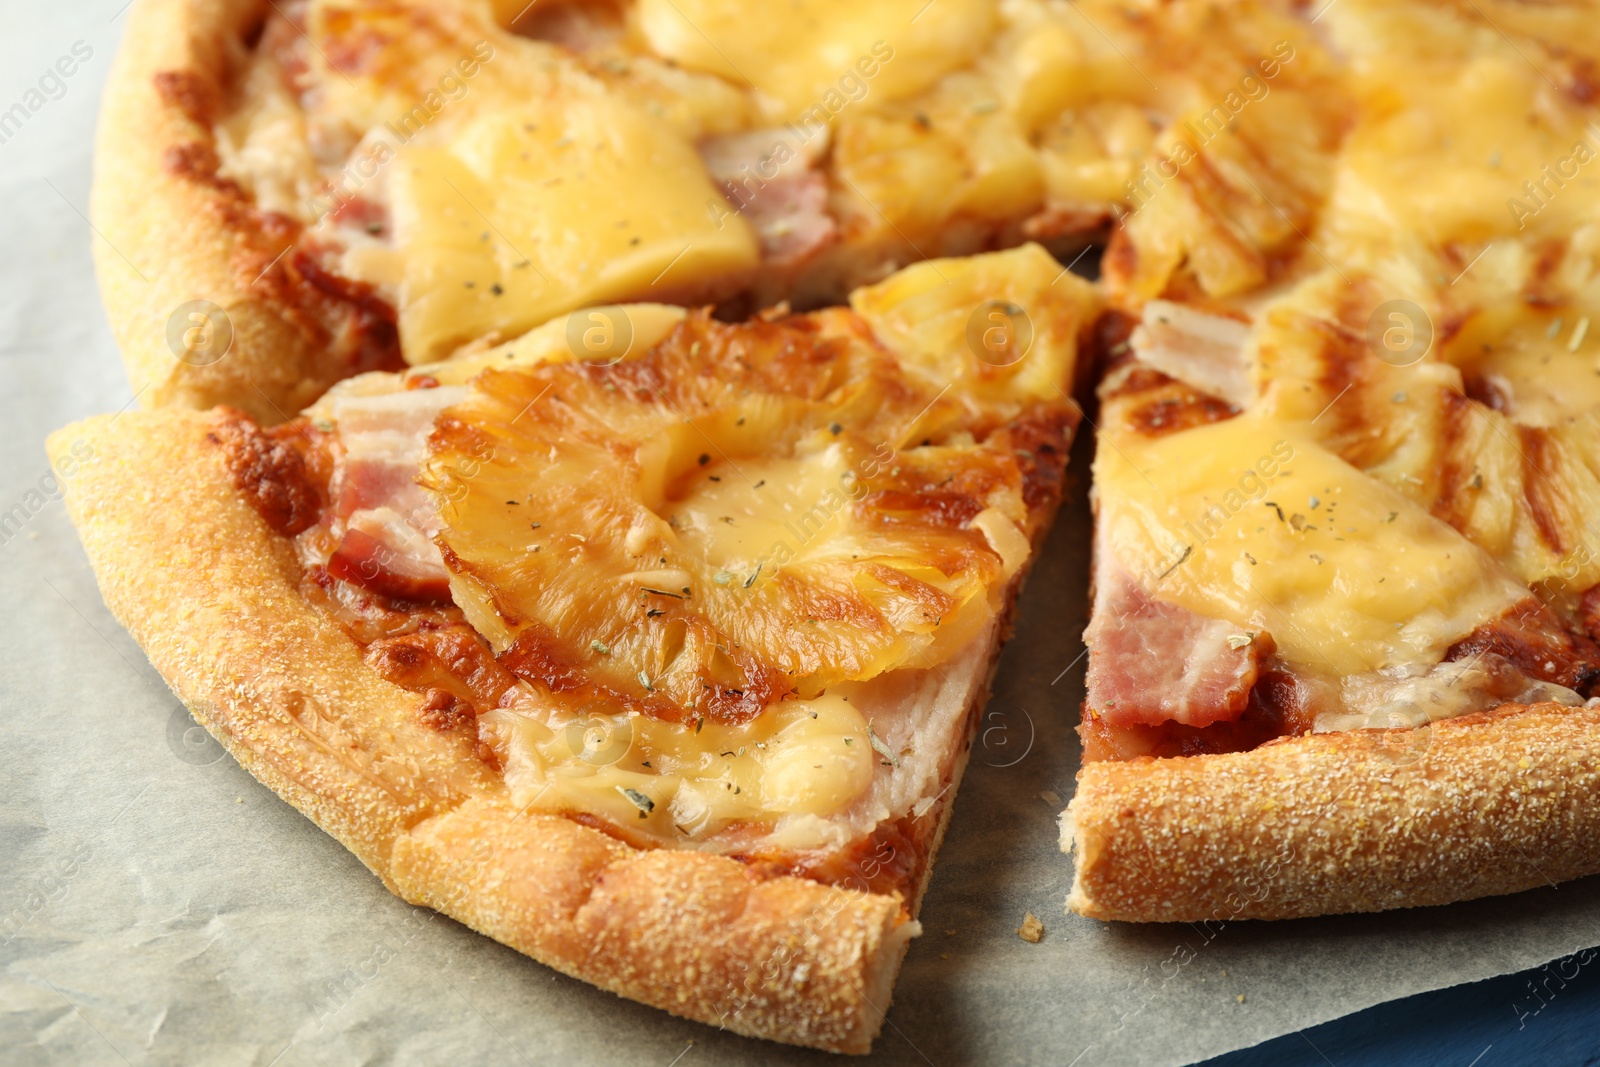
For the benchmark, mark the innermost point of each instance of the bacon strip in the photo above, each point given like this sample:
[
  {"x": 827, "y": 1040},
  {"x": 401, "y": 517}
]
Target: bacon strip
[
  {"x": 1152, "y": 662},
  {"x": 768, "y": 176},
  {"x": 380, "y": 551},
  {"x": 388, "y": 520},
  {"x": 1206, "y": 352}
]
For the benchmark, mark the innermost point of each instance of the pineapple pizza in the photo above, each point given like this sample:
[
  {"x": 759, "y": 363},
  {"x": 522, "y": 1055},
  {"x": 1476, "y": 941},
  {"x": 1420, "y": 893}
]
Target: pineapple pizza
[
  {"x": 661, "y": 667},
  {"x": 353, "y": 185},
  {"x": 592, "y": 450},
  {"x": 1342, "y": 651}
]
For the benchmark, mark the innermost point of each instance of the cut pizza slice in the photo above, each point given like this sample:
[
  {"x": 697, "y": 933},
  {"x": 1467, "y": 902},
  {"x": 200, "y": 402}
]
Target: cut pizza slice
[
  {"x": 659, "y": 665},
  {"x": 1326, "y": 673}
]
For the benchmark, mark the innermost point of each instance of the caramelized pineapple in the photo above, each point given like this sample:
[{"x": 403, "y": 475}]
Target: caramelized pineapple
[{"x": 740, "y": 513}]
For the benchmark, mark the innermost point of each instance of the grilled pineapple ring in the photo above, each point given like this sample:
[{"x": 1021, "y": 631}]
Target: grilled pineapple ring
[{"x": 736, "y": 515}]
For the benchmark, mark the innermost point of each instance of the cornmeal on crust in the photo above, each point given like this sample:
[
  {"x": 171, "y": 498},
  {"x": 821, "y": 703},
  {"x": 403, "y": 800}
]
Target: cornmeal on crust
[{"x": 1369, "y": 820}]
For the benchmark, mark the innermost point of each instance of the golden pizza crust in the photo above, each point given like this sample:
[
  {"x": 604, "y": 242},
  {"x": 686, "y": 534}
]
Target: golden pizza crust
[
  {"x": 212, "y": 595},
  {"x": 171, "y": 232},
  {"x": 1363, "y": 820}
]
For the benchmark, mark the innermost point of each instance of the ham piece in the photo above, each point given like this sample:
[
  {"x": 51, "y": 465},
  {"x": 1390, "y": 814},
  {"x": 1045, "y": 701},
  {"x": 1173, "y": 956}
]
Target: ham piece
[
  {"x": 1152, "y": 662},
  {"x": 770, "y": 178},
  {"x": 1203, "y": 351},
  {"x": 387, "y": 522}
]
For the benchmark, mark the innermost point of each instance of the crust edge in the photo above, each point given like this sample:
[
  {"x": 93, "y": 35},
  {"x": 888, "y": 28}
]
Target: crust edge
[
  {"x": 1363, "y": 821},
  {"x": 166, "y": 239}
]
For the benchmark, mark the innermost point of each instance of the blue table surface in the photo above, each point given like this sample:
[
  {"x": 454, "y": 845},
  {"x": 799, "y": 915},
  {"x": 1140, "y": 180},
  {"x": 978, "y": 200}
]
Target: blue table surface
[{"x": 1549, "y": 1016}]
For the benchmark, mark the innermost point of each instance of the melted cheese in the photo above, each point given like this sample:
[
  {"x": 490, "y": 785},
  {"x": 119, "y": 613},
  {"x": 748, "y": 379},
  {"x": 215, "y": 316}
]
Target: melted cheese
[
  {"x": 1353, "y": 577},
  {"x": 800, "y": 758},
  {"x": 1515, "y": 469},
  {"x": 1415, "y": 695},
  {"x": 532, "y": 212},
  {"x": 818, "y": 56},
  {"x": 1467, "y": 141},
  {"x": 803, "y": 501}
]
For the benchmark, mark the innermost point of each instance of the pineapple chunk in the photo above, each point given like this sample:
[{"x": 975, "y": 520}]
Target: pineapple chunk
[
  {"x": 944, "y": 318},
  {"x": 1089, "y": 155},
  {"x": 1542, "y": 363},
  {"x": 722, "y": 521},
  {"x": 819, "y": 56},
  {"x": 1206, "y": 200},
  {"x": 1490, "y": 430},
  {"x": 952, "y": 152},
  {"x": 1463, "y": 136},
  {"x": 743, "y": 513},
  {"x": 1469, "y": 153},
  {"x": 570, "y": 200},
  {"x": 718, "y": 561}
]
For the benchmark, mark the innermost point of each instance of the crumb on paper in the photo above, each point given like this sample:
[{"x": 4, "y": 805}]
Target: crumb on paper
[
  {"x": 949, "y": 933},
  {"x": 1031, "y": 929},
  {"x": 944, "y": 955},
  {"x": 1240, "y": 998},
  {"x": 1051, "y": 797}
]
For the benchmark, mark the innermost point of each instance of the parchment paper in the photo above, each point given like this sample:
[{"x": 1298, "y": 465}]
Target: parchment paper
[{"x": 158, "y": 906}]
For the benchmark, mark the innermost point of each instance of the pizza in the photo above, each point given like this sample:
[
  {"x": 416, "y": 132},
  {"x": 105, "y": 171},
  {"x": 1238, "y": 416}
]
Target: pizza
[
  {"x": 660, "y": 667},
  {"x": 592, "y": 451},
  {"x": 292, "y": 193},
  {"x": 1342, "y": 650}
]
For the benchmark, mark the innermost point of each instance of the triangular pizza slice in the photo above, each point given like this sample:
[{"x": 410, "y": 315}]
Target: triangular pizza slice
[
  {"x": 1342, "y": 643},
  {"x": 648, "y": 644}
]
